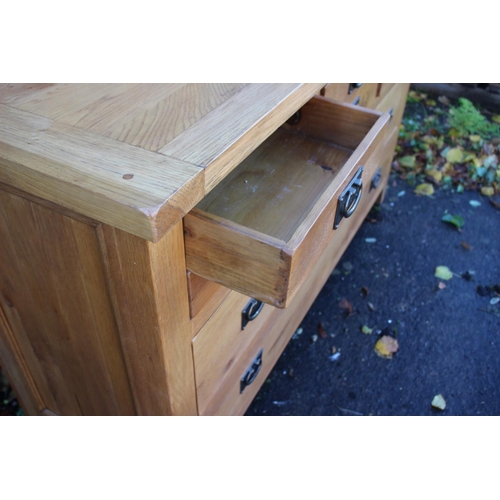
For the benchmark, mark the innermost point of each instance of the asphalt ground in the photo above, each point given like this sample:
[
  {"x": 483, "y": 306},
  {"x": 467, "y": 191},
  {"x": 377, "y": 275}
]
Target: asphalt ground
[{"x": 448, "y": 335}]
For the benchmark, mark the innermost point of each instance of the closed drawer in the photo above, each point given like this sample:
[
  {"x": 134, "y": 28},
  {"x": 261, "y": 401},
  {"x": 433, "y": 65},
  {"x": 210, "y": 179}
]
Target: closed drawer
[
  {"x": 222, "y": 341},
  {"x": 262, "y": 229},
  {"x": 363, "y": 94},
  {"x": 394, "y": 104}
]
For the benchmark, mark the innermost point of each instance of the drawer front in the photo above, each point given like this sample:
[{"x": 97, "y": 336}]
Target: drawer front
[
  {"x": 221, "y": 341},
  {"x": 368, "y": 95},
  {"x": 394, "y": 103},
  {"x": 261, "y": 231},
  {"x": 204, "y": 298},
  {"x": 276, "y": 329}
]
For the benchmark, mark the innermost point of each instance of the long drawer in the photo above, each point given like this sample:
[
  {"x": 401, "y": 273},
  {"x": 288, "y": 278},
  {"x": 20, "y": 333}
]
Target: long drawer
[{"x": 262, "y": 229}]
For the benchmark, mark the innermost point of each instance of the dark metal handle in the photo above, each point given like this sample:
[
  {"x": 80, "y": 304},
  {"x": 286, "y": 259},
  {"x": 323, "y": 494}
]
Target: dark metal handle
[
  {"x": 356, "y": 101},
  {"x": 250, "y": 311},
  {"x": 377, "y": 178},
  {"x": 252, "y": 371},
  {"x": 354, "y": 86},
  {"x": 349, "y": 198},
  {"x": 391, "y": 113}
]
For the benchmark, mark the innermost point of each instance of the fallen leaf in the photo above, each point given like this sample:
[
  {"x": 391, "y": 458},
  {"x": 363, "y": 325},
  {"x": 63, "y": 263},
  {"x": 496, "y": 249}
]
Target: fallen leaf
[
  {"x": 444, "y": 100},
  {"x": 487, "y": 191},
  {"x": 371, "y": 306},
  {"x": 456, "y": 220},
  {"x": 454, "y": 155},
  {"x": 334, "y": 357},
  {"x": 474, "y": 203},
  {"x": 314, "y": 338},
  {"x": 443, "y": 273},
  {"x": 322, "y": 332},
  {"x": 364, "y": 291},
  {"x": 494, "y": 300},
  {"x": 425, "y": 189},
  {"x": 407, "y": 161},
  {"x": 430, "y": 102},
  {"x": 386, "y": 347},
  {"x": 371, "y": 240},
  {"x": 441, "y": 285},
  {"x": 474, "y": 138},
  {"x": 366, "y": 330},
  {"x": 346, "y": 306},
  {"x": 439, "y": 402},
  {"x": 334, "y": 349},
  {"x": 495, "y": 204},
  {"x": 496, "y": 118},
  {"x": 467, "y": 246},
  {"x": 435, "y": 174}
]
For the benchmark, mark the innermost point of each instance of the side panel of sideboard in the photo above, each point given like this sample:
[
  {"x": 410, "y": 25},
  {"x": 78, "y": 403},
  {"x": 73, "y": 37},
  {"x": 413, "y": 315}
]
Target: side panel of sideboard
[{"x": 59, "y": 343}]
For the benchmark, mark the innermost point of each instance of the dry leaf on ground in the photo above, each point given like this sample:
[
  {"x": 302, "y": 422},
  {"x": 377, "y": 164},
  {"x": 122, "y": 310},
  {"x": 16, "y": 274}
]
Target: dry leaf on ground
[
  {"x": 322, "y": 332},
  {"x": 386, "y": 347},
  {"x": 443, "y": 273},
  {"x": 425, "y": 189}
]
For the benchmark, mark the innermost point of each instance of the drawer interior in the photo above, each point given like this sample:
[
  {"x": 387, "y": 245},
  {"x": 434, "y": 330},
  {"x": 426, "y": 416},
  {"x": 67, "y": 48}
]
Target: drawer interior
[
  {"x": 261, "y": 230},
  {"x": 274, "y": 189}
]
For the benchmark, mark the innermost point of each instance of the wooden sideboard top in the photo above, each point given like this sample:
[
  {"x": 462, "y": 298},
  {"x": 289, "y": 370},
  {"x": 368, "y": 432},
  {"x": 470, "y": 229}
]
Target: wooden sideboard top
[{"x": 135, "y": 156}]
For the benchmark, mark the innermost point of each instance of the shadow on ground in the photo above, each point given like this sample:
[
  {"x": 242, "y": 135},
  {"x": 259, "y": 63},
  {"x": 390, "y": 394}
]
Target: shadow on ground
[{"x": 449, "y": 338}]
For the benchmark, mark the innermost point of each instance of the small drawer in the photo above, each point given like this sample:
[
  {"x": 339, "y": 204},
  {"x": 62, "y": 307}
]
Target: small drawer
[
  {"x": 261, "y": 230},
  {"x": 221, "y": 341},
  {"x": 394, "y": 103}
]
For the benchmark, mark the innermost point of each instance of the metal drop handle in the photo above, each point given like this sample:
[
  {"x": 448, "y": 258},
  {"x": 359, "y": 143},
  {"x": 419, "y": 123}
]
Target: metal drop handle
[
  {"x": 252, "y": 371},
  {"x": 354, "y": 86},
  {"x": 251, "y": 311},
  {"x": 349, "y": 198}
]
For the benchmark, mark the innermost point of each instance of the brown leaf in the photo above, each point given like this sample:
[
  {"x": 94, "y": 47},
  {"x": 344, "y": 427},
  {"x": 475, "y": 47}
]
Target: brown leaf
[
  {"x": 322, "y": 332},
  {"x": 467, "y": 246},
  {"x": 346, "y": 306},
  {"x": 365, "y": 291},
  {"x": 495, "y": 204},
  {"x": 386, "y": 346}
]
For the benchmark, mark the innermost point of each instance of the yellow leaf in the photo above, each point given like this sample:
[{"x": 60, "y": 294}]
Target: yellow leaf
[
  {"x": 487, "y": 191},
  {"x": 386, "y": 346},
  {"x": 425, "y": 189},
  {"x": 430, "y": 102},
  {"x": 443, "y": 273},
  {"x": 496, "y": 118},
  {"x": 454, "y": 155},
  {"x": 474, "y": 138},
  {"x": 435, "y": 174}
]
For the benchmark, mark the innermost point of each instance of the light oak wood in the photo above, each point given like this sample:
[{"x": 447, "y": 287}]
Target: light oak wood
[
  {"x": 138, "y": 191},
  {"x": 368, "y": 95},
  {"x": 220, "y": 342},
  {"x": 277, "y": 329},
  {"x": 204, "y": 298},
  {"x": 96, "y": 318},
  {"x": 262, "y": 229},
  {"x": 102, "y": 150},
  {"x": 223, "y": 138},
  {"x": 149, "y": 291},
  {"x": 60, "y": 335}
]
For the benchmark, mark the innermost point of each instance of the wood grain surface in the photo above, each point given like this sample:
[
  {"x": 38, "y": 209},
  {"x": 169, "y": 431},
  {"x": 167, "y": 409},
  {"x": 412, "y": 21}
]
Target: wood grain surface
[
  {"x": 136, "y": 157},
  {"x": 59, "y": 317},
  {"x": 263, "y": 228},
  {"x": 148, "y": 288}
]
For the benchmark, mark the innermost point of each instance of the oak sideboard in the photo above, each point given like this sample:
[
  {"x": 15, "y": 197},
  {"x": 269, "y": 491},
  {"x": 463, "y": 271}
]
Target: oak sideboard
[{"x": 160, "y": 243}]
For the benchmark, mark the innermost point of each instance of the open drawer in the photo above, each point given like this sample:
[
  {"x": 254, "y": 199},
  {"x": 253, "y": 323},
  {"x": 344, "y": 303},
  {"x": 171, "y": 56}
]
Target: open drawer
[{"x": 262, "y": 229}]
